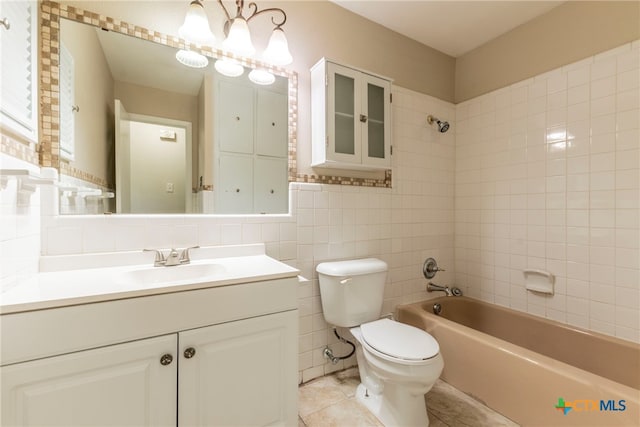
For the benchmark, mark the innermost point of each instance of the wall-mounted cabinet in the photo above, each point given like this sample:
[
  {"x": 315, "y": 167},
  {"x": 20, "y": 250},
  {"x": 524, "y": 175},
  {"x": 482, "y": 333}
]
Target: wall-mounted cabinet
[
  {"x": 18, "y": 80},
  {"x": 351, "y": 115},
  {"x": 251, "y": 149}
]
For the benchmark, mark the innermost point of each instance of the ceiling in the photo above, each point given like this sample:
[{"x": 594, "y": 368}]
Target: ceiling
[{"x": 453, "y": 27}]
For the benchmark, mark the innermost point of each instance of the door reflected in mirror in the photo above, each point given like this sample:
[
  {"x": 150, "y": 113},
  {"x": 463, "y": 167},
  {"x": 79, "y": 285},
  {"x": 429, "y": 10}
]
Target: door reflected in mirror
[{"x": 164, "y": 137}]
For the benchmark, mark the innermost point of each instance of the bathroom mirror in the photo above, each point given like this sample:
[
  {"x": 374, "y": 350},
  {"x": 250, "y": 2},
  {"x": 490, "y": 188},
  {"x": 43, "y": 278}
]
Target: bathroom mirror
[{"x": 112, "y": 75}]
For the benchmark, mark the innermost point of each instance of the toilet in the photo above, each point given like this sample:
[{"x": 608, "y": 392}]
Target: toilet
[{"x": 398, "y": 363}]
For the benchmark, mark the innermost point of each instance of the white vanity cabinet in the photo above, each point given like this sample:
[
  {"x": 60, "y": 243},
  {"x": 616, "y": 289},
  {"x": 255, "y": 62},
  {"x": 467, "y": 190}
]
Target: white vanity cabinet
[
  {"x": 224, "y": 355},
  {"x": 125, "y": 384},
  {"x": 252, "y": 133},
  {"x": 350, "y": 118},
  {"x": 238, "y": 373},
  {"x": 19, "y": 58}
]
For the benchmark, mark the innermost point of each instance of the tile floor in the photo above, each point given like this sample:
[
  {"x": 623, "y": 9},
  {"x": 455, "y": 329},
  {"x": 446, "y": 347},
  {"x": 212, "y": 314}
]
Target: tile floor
[{"x": 330, "y": 402}]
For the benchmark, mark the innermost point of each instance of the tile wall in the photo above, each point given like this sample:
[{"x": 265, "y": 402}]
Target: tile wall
[
  {"x": 544, "y": 172},
  {"x": 547, "y": 177},
  {"x": 402, "y": 225},
  {"x": 20, "y": 227}
]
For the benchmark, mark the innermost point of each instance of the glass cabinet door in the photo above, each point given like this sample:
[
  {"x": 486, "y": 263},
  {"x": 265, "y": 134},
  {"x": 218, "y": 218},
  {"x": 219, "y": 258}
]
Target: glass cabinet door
[
  {"x": 343, "y": 114},
  {"x": 376, "y": 136}
]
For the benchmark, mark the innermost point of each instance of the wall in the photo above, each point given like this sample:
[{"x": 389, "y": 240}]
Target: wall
[
  {"x": 314, "y": 29},
  {"x": 547, "y": 176},
  {"x": 570, "y": 32},
  {"x": 94, "y": 121},
  {"x": 20, "y": 227},
  {"x": 159, "y": 103},
  {"x": 415, "y": 218},
  {"x": 403, "y": 225},
  {"x": 157, "y": 163}
]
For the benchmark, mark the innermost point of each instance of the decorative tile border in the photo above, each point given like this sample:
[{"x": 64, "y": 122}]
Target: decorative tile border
[
  {"x": 49, "y": 75},
  {"x": 69, "y": 170},
  {"x": 16, "y": 148},
  {"x": 343, "y": 180}
]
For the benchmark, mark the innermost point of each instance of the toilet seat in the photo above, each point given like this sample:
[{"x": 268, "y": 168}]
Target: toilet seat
[{"x": 399, "y": 342}]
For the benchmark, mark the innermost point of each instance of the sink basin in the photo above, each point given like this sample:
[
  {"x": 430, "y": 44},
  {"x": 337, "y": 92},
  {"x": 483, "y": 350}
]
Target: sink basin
[{"x": 191, "y": 273}]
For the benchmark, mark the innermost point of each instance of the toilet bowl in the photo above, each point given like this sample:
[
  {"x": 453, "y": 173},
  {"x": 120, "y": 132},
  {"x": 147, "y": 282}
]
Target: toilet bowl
[{"x": 398, "y": 363}]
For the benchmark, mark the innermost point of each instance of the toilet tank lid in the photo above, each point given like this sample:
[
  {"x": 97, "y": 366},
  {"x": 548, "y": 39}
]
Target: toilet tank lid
[{"x": 352, "y": 267}]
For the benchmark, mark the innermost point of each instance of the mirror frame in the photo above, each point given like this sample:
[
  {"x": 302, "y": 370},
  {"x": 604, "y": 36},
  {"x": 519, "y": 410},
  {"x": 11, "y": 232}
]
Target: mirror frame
[{"x": 52, "y": 12}]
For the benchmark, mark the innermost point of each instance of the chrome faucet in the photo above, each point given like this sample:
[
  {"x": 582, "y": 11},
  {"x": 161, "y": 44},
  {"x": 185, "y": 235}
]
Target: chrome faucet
[
  {"x": 173, "y": 258},
  {"x": 432, "y": 287}
]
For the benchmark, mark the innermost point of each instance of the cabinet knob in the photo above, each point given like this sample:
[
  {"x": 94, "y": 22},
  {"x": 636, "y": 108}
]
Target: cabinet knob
[
  {"x": 363, "y": 118},
  {"x": 237, "y": 190},
  {"x": 5, "y": 23},
  {"x": 237, "y": 118},
  {"x": 272, "y": 191},
  {"x": 189, "y": 353},
  {"x": 273, "y": 123},
  {"x": 166, "y": 359}
]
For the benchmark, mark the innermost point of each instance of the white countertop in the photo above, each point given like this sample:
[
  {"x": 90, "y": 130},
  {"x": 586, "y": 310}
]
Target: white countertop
[{"x": 66, "y": 287}]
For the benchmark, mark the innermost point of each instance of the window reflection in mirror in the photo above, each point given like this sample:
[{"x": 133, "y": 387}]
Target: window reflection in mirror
[{"x": 166, "y": 138}]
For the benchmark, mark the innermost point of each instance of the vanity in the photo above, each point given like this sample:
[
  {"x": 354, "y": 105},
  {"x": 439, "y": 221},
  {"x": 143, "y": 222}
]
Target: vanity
[{"x": 118, "y": 342}]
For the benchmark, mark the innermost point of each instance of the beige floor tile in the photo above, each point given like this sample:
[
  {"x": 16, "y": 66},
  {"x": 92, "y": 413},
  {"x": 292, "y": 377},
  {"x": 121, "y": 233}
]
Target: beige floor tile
[
  {"x": 435, "y": 421},
  {"x": 345, "y": 413},
  {"x": 348, "y": 381},
  {"x": 318, "y": 394},
  {"x": 330, "y": 401},
  {"x": 456, "y": 409}
]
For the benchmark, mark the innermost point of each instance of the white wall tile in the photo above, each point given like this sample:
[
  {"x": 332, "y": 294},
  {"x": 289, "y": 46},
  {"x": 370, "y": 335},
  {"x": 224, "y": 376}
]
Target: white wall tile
[{"x": 583, "y": 224}]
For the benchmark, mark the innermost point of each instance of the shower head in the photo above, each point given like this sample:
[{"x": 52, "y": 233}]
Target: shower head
[{"x": 442, "y": 125}]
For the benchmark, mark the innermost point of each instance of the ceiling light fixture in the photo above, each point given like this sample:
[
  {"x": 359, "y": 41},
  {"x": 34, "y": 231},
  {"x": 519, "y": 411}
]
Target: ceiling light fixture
[
  {"x": 196, "y": 25},
  {"x": 191, "y": 59},
  {"x": 236, "y": 29},
  {"x": 229, "y": 67},
  {"x": 261, "y": 77}
]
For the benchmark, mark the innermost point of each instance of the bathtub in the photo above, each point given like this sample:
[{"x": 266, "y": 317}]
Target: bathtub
[{"x": 522, "y": 365}]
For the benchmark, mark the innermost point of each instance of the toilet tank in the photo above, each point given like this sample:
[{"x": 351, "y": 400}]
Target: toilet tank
[{"x": 352, "y": 291}]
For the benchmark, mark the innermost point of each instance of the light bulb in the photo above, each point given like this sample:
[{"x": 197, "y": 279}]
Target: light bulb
[
  {"x": 277, "y": 52},
  {"x": 239, "y": 39},
  {"x": 196, "y": 25},
  {"x": 192, "y": 59},
  {"x": 261, "y": 77},
  {"x": 229, "y": 67}
]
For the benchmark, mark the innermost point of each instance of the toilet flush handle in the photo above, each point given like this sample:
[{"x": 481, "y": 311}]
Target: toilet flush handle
[{"x": 346, "y": 280}]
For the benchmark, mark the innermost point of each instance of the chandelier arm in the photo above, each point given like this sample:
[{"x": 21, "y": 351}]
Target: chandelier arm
[
  {"x": 278, "y": 24},
  {"x": 226, "y": 13}
]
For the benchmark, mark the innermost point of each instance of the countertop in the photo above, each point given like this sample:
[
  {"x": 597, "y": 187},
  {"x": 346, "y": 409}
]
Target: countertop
[{"x": 65, "y": 287}]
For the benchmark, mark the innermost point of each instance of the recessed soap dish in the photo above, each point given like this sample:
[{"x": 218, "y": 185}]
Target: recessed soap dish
[{"x": 539, "y": 281}]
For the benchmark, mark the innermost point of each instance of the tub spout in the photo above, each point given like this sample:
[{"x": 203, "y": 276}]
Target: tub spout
[{"x": 432, "y": 287}]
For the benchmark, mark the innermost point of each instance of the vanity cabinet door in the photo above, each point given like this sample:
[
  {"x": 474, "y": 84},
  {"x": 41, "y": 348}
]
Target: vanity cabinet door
[
  {"x": 124, "y": 384},
  {"x": 241, "y": 373}
]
